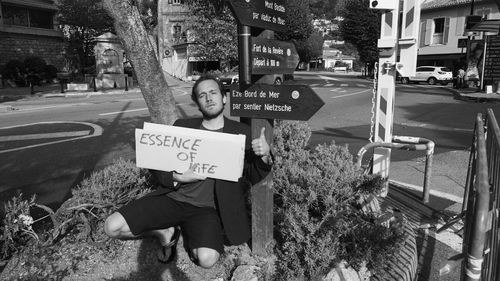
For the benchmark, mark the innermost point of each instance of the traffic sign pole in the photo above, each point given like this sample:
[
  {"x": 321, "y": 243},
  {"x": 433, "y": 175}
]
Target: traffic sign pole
[
  {"x": 262, "y": 193},
  {"x": 384, "y": 112}
]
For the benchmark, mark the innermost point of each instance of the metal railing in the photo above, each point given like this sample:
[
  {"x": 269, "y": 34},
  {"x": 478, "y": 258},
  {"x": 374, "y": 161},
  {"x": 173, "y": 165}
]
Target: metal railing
[
  {"x": 407, "y": 143},
  {"x": 481, "y": 205}
]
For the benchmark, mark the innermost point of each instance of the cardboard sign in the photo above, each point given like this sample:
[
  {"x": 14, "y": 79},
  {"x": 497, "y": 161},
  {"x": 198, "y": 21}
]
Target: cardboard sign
[{"x": 170, "y": 148}]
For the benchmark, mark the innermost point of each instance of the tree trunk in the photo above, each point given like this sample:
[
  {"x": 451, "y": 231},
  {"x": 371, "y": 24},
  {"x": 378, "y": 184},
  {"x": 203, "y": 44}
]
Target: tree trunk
[{"x": 139, "y": 50}]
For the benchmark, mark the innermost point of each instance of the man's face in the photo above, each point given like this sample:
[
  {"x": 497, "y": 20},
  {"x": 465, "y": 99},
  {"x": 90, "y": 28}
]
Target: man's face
[{"x": 210, "y": 99}]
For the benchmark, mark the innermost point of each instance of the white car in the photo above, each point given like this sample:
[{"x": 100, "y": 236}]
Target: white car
[
  {"x": 232, "y": 77},
  {"x": 431, "y": 75}
]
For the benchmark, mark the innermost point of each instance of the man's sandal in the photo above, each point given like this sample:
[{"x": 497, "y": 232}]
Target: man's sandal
[{"x": 167, "y": 253}]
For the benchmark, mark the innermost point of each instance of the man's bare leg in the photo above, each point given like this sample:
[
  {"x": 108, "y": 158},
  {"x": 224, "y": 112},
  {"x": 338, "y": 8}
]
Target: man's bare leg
[{"x": 116, "y": 226}]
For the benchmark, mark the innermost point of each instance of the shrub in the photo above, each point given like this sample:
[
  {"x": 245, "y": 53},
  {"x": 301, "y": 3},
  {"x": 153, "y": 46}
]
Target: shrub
[
  {"x": 13, "y": 70},
  {"x": 317, "y": 218},
  {"x": 76, "y": 230},
  {"x": 99, "y": 195},
  {"x": 50, "y": 72},
  {"x": 35, "y": 64},
  {"x": 16, "y": 229}
]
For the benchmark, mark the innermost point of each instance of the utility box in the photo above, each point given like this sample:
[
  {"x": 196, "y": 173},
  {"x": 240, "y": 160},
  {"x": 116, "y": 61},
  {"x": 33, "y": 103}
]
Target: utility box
[{"x": 384, "y": 4}]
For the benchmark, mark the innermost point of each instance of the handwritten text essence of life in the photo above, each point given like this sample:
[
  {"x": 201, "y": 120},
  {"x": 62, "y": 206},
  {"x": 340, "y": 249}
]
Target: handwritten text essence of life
[{"x": 188, "y": 145}]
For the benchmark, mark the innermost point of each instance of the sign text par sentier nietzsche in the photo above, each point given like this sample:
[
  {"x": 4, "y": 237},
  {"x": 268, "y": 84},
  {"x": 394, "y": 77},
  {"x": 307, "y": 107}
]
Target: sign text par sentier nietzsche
[{"x": 170, "y": 148}]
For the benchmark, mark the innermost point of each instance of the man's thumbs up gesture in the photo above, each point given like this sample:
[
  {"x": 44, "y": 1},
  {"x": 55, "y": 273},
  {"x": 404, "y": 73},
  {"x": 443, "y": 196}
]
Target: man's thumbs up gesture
[{"x": 260, "y": 146}]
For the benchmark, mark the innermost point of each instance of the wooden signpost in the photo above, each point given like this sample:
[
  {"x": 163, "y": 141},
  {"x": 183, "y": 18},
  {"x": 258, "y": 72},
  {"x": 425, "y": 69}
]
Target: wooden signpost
[
  {"x": 288, "y": 102},
  {"x": 260, "y": 13},
  {"x": 272, "y": 56},
  {"x": 259, "y": 55}
]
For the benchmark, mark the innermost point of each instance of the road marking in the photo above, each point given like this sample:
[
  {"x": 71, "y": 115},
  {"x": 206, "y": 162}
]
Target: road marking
[
  {"x": 361, "y": 85},
  {"x": 435, "y": 193},
  {"x": 45, "y": 136},
  {"x": 16, "y": 110},
  {"x": 124, "y": 111},
  {"x": 329, "y": 85},
  {"x": 344, "y": 85},
  {"x": 435, "y": 127},
  {"x": 334, "y": 89},
  {"x": 97, "y": 132},
  {"x": 327, "y": 78},
  {"x": 351, "y": 94},
  {"x": 183, "y": 93},
  {"x": 131, "y": 99}
]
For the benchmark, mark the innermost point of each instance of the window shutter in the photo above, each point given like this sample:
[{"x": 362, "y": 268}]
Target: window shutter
[
  {"x": 428, "y": 32},
  {"x": 446, "y": 30},
  {"x": 421, "y": 37},
  {"x": 460, "y": 28}
]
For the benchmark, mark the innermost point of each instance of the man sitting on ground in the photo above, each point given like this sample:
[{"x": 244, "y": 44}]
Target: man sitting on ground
[{"x": 209, "y": 212}]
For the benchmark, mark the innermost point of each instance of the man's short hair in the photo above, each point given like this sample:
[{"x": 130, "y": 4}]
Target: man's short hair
[{"x": 205, "y": 78}]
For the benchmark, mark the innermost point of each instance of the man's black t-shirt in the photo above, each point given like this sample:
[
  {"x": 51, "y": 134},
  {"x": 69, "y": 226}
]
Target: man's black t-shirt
[{"x": 201, "y": 193}]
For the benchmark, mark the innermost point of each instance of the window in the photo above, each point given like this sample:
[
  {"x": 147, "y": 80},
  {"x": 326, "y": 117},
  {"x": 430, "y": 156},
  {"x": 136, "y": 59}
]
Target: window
[
  {"x": 110, "y": 61},
  {"x": 177, "y": 30},
  {"x": 20, "y": 16},
  {"x": 438, "y": 31},
  {"x": 176, "y": 2}
]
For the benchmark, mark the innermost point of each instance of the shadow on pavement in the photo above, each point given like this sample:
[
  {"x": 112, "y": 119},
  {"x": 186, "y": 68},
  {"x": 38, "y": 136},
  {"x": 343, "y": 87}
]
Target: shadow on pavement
[{"x": 357, "y": 136}]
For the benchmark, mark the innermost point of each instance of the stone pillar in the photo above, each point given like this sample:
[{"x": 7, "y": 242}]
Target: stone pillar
[{"x": 109, "y": 54}]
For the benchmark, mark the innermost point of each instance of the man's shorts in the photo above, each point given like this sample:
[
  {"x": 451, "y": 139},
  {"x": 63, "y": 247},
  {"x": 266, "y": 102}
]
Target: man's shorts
[{"x": 201, "y": 226}]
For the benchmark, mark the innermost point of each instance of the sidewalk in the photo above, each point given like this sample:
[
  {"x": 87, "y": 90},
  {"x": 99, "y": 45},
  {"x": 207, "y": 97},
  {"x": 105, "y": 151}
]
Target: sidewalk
[
  {"x": 8, "y": 94},
  {"x": 474, "y": 94}
]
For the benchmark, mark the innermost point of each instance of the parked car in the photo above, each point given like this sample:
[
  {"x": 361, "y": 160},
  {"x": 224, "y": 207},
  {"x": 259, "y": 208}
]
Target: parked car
[
  {"x": 232, "y": 77},
  {"x": 431, "y": 75}
]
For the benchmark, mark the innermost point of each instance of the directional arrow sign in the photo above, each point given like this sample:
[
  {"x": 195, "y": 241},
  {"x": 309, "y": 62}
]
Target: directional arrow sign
[
  {"x": 266, "y": 14},
  {"x": 290, "y": 102},
  {"x": 273, "y": 56}
]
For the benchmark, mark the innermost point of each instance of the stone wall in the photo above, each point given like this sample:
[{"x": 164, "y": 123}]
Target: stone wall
[{"x": 20, "y": 46}]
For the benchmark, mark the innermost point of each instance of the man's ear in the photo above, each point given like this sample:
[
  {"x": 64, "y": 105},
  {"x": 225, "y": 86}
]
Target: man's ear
[{"x": 224, "y": 99}]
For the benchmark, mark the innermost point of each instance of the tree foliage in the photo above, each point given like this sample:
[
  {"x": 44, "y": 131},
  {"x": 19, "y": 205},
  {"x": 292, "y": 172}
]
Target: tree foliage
[
  {"x": 81, "y": 21},
  {"x": 212, "y": 28},
  {"x": 311, "y": 47},
  {"x": 298, "y": 21},
  {"x": 361, "y": 28},
  {"x": 323, "y": 9},
  {"x": 299, "y": 28}
]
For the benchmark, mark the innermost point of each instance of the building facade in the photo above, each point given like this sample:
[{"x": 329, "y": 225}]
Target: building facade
[
  {"x": 442, "y": 38},
  {"x": 28, "y": 28}
]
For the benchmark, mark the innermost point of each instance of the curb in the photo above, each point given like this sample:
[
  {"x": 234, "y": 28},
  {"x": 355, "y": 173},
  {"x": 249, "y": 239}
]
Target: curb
[{"x": 474, "y": 96}]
